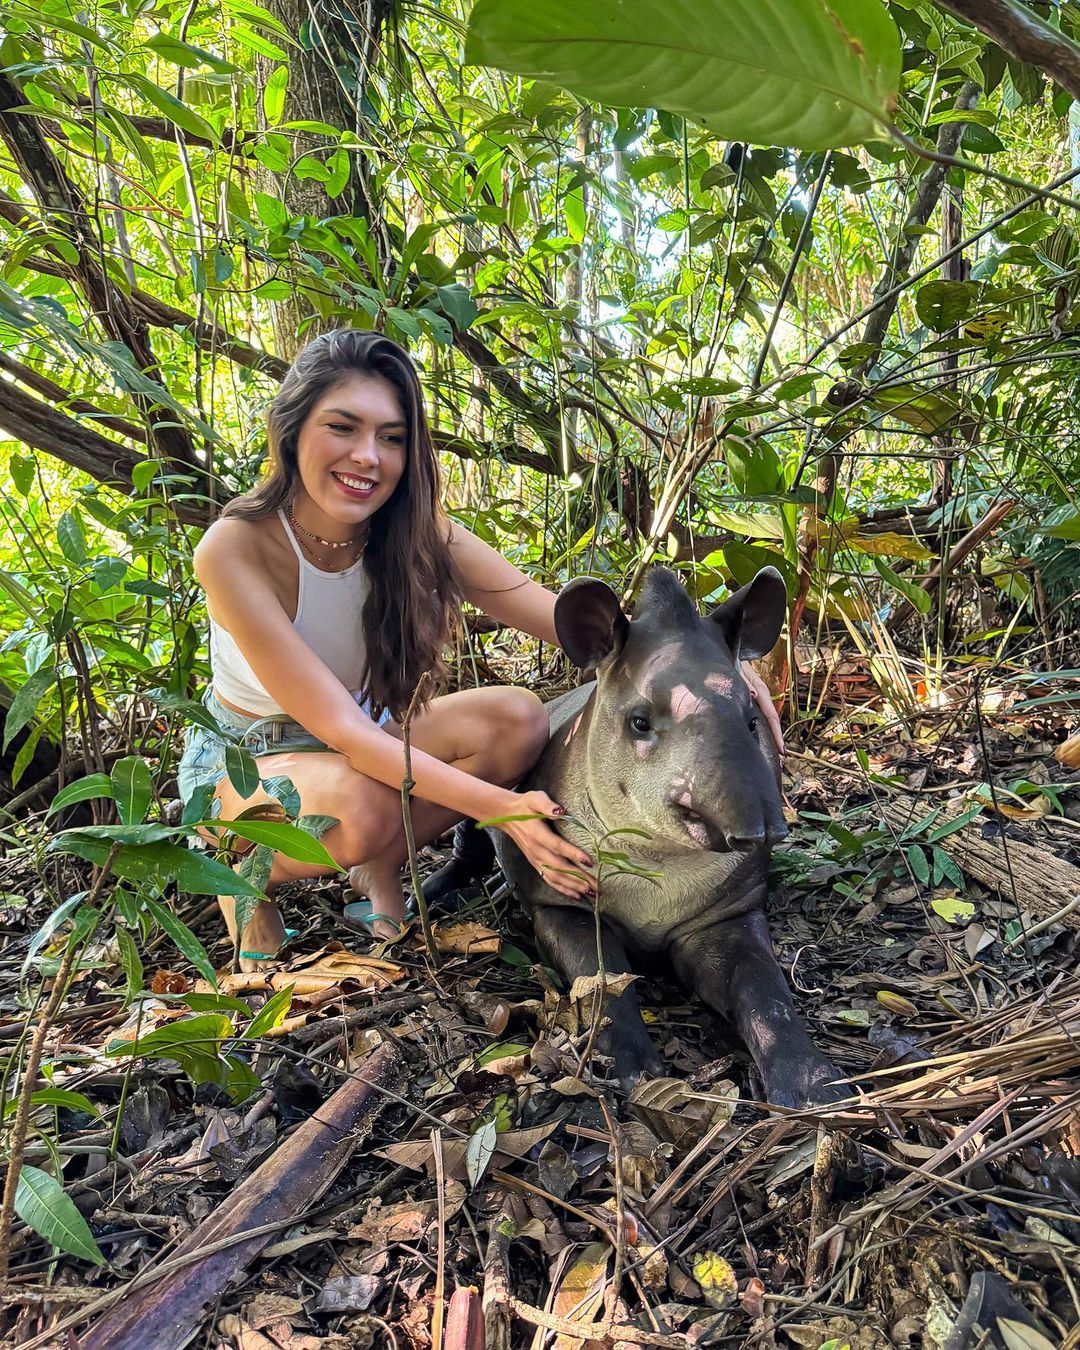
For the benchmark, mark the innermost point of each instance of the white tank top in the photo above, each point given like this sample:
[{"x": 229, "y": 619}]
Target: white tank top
[{"x": 328, "y": 606}]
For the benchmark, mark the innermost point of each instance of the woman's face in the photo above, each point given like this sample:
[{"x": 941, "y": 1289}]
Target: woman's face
[{"x": 351, "y": 451}]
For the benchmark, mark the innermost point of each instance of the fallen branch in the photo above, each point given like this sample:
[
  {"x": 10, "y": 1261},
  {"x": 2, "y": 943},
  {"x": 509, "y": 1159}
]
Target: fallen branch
[
  {"x": 1033, "y": 877},
  {"x": 160, "y": 1315}
]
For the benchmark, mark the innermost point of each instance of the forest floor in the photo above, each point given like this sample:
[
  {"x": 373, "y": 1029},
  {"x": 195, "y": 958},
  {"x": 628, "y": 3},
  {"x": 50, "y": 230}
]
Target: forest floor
[{"x": 918, "y": 917}]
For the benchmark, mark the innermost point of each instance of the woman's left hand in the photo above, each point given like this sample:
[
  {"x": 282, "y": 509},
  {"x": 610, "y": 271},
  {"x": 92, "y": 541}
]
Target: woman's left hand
[{"x": 759, "y": 692}]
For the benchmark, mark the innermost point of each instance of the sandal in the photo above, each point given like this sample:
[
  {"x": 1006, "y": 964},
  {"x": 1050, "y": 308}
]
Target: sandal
[
  {"x": 290, "y": 933},
  {"x": 358, "y": 916}
]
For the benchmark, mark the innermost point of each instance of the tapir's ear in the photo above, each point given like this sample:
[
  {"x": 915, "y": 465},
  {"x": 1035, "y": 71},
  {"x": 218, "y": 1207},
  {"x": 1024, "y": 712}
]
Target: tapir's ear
[
  {"x": 589, "y": 621},
  {"x": 752, "y": 618}
]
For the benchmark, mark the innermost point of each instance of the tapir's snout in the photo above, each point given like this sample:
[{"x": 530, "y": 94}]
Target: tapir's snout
[{"x": 743, "y": 841}]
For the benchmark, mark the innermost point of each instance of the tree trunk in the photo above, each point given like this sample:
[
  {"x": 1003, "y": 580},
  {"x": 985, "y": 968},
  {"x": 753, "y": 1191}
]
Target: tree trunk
[{"x": 338, "y": 42}]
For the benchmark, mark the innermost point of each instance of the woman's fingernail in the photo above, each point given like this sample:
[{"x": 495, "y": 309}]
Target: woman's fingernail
[
  {"x": 592, "y": 892},
  {"x": 586, "y": 861},
  {"x": 558, "y": 810}
]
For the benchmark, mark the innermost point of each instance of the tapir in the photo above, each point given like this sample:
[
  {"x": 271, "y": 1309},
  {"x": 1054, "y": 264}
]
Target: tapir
[{"x": 666, "y": 744}]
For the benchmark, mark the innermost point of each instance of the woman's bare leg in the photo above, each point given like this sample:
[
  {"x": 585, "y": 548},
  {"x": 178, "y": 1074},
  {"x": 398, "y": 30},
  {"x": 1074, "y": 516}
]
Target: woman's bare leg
[{"x": 495, "y": 734}]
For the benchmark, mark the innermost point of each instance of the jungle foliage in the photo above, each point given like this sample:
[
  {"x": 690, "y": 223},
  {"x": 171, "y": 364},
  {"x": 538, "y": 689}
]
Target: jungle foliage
[{"x": 814, "y": 306}]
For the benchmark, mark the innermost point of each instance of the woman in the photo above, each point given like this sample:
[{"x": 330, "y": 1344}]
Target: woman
[{"x": 332, "y": 588}]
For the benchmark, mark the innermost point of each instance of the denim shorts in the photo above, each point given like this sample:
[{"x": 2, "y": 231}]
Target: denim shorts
[{"x": 203, "y": 760}]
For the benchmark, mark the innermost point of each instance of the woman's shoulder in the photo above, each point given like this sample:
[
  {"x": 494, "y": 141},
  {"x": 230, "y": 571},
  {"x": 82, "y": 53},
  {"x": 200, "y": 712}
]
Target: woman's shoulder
[{"x": 232, "y": 540}]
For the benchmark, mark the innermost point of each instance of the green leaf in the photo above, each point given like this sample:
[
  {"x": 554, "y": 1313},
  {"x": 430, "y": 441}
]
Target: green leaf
[
  {"x": 194, "y": 1042},
  {"x": 1069, "y": 528},
  {"x": 173, "y": 110},
  {"x": 43, "y": 1205},
  {"x": 282, "y": 838},
  {"x": 186, "y": 941},
  {"x": 919, "y": 598},
  {"x": 22, "y": 473},
  {"x": 242, "y": 770},
  {"x": 274, "y": 95},
  {"x": 93, "y": 785},
  {"x": 216, "y": 1003},
  {"x": 222, "y": 263},
  {"x": 24, "y": 704},
  {"x": 480, "y": 1150},
  {"x": 942, "y": 305},
  {"x": 920, "y": 866},
  {"x": 60, "y": 915},
  {"x": 71, "y": 538},
  {"x": 919, "y": 407},
  {"x": 340, "y": 166},
  {"x": 255, "y": 867},
  {"x": 132, "y": 788},
  {"x": 753, "y": 465},
  {"x": 806, "y": 73},
  {"x": 457, "y": 304},
  {"x": 179, "y": 53},
  {"x": 26, "y": 753},
  {"x": 132, "y": 964},
  {"x": 156, "y": 862},
  {"x": 54, "y": 1096},
  {"x": 271, "y": 1014},
  {"x": 953, "y": 910}
]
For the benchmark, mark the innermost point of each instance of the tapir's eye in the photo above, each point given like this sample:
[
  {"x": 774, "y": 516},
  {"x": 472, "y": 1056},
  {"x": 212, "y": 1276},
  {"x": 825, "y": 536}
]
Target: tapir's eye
[
  {"x": 752, "y": 724},
  {"x": 639, "y": 724}
]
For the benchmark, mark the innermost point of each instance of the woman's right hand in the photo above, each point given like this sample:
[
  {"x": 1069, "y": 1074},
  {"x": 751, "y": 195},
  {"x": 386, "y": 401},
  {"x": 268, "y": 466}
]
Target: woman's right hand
[{"x": 564, "y": 866}]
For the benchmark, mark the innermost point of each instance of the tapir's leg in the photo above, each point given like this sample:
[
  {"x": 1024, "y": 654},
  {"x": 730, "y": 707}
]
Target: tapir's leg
[
  {"x": 473, "y": 857},
  {"x": 568, "y": 937},
  {"x": 733, "y": 968}
]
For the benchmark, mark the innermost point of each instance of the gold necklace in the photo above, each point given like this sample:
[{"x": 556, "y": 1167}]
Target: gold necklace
[
  {"x": 322, "y": 564},
  {"x": 326, "y": 543}
]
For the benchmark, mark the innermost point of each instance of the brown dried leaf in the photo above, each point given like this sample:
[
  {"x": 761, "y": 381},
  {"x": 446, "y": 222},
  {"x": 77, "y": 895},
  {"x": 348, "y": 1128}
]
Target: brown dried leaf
[
  {"x": 407, "y": 1221},
  {"x": 752, "y": 1298},
  {"x": 343, "y": 968},
  {"x": 580, "y": 1292},
  {"x": 588, "y": 986},
  {"x": 267, "y": 1308},
  {"x": 1069, "y": 751},
  {"x": 569, "y": 1086},
  {"x": 463, "y": 939},
  {"x": 419, "y": 1156},
  {"x": 169, "y": 982},
  {"x": 677, "y": 1113}
]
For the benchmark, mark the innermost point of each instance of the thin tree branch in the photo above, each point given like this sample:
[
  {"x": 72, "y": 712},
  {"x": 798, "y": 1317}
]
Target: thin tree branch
[
  {"x": 61, "y": 199},
  {"x": 56, "y": 393},
  {"x": 1024, "y": 36}
]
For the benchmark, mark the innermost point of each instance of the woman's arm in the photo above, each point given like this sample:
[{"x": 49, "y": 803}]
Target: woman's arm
[
  {"x": 500, "y": 590},
  {"x": 243, "y": 601}
]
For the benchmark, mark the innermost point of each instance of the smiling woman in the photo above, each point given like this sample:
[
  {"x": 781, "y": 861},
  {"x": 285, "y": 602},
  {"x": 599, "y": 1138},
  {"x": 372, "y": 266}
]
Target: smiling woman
[{"x": 332, "y": 588}]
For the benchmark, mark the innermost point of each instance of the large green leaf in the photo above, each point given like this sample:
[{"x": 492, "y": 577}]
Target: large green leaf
[
  {"x": 943, "y": 304},
  {"x": 804, "y": 73},
  {"x": 83, "y": 789},
  {"x": 43, "y": 1204},
  {"x": 920, "y": 407},
  {"x": 24, "y": 704},
  {"x": 194, "y": 1042},
  {"x": 282, "y": 838},
  {"x": 132, "y": 788},
  {"x": 160, "y": 862}
]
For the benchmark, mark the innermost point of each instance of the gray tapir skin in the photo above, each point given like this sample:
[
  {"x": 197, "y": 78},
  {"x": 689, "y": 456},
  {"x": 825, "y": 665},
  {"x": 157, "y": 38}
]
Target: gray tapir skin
[{"x": 666, "y": 740}]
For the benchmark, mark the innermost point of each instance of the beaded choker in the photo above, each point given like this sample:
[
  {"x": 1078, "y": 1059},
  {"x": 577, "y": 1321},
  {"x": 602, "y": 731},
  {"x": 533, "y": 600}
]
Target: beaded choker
[{"x": 326, "y": 543}]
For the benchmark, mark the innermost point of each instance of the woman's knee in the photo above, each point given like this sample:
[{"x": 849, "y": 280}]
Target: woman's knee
[
  {"x": 520, "y": 731},
  {"x": 361, "y": 835}
]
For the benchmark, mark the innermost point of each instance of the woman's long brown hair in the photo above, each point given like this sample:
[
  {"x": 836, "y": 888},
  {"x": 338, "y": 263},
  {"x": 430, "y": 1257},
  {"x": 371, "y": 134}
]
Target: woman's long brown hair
[{"x": 415, "y": 596}]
